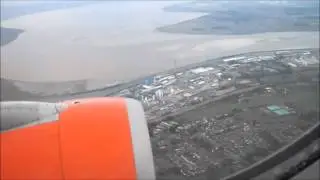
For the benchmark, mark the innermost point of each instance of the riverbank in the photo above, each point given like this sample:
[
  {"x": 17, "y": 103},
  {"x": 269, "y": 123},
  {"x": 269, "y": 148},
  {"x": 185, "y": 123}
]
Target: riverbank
[{"x": 9, "y": 90}]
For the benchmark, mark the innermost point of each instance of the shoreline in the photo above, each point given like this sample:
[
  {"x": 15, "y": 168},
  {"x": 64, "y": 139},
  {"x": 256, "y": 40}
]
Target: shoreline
[
  {"x": 88, "y": 60},
  {"x": 98, "y": 60},
  {"x": 9, "y": 35},
  {"x": 106, "y": 91}
]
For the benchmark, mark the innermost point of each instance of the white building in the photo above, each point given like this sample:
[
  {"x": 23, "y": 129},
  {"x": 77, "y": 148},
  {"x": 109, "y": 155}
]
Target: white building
[{"x": 201, "y": 70}]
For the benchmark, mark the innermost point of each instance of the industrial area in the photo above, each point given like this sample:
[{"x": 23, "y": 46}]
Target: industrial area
[
  {"x": 215, "y": 119},
  {"x": 165, "y": 94}
]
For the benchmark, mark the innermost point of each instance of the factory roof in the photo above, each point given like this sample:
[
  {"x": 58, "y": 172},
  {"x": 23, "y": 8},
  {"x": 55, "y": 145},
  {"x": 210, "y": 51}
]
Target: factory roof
[
  {"x": 281, "y": 112},
  {"x": 292, "y": 65},
  {"x": 273, "y": 107},
  {"x": 150, "y": 88},
  {"x": 234, "y": 58},
  {"x": 244, "y": 81},
  {"x": 201, "y": 70}
]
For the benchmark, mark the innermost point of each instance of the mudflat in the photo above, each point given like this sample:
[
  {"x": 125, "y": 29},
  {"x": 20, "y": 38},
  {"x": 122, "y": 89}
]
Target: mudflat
[{"x": 89, "y": 43}]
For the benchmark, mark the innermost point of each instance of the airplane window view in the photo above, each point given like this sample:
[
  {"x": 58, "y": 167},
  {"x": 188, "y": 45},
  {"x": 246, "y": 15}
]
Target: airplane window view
[{"x": 210, "y": 89}]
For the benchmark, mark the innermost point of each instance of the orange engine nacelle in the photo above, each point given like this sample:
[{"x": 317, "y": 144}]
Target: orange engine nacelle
[{"x": 96, "y": 139}]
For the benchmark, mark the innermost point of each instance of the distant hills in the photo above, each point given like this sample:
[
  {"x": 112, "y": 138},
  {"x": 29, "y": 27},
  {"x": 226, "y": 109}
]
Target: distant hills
[
  {"x": 11, "y": 92},
  {"x": 12, "y": 9},
  {"x": 9, "y": 34},
  {"x": 246, "y": 17}
]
